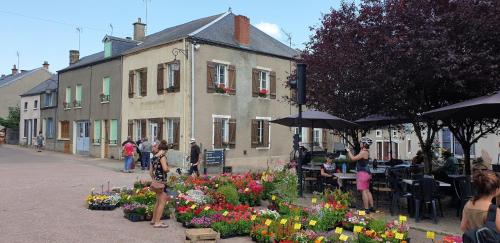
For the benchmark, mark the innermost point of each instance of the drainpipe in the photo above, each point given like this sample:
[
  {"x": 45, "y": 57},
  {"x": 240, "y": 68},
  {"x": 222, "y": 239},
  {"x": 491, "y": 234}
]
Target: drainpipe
[{"x": 192, "y": 90}]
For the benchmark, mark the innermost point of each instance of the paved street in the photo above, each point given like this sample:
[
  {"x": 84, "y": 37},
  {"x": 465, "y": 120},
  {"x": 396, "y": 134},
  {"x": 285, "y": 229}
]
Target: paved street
[
  {"x": 43, "y": 200},
  {"x": 43, "y": 194}
]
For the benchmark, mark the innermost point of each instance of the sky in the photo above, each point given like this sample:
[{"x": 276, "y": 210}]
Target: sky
[{"x": 46, "y": 30}]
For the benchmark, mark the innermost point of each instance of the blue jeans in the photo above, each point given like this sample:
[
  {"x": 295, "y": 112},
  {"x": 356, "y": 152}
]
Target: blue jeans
[
  {"x": 128, "y": 162},
  {"x": 145, "y": 159}
]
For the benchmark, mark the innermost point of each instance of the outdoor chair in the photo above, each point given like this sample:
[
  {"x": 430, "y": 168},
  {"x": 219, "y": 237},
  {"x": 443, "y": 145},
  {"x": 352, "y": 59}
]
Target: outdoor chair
[
  {"x": 463, "y": 189},
  {"x": 398, "y": 193},
  {"x": 380, "y": 185},
  {"x": 425, "y": 193},
  {"x": 311, "y": 180}
]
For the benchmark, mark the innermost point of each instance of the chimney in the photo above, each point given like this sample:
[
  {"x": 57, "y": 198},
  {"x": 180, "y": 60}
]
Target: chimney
[
  {"x": 45, "y": 65},
  {"x": 242, "y": 29},
  {"x": 74, "y": 56},
  {"x": 139, "y": 30},
  {"x": 14, "y": 70}
]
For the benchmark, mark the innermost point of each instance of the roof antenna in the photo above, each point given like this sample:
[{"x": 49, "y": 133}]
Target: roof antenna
[
  {"x": 146, "y": 4},
  {"x": 230, "y": 10},
  {"x": 111, "y": 27},
  {"x": 17, "y": 53},
  {"x": 79, "y": 29}
]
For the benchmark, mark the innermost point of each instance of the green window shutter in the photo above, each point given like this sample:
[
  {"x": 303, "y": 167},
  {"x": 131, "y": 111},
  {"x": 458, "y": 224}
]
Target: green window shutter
[
  {"x": 78, "y": 93},
  {"x": 107, "y": 49},
  {"x": 68, "y": 95},
  {"x": 113, "y": 131},
  {"x": 97, "y": 131},
  {"x": 105, "y": 86}
]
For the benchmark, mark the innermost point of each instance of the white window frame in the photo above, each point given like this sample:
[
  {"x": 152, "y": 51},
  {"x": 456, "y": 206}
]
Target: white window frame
[
  {"x": 262, "y": 118},
  {"x": 225, "y": 129},
  {"x": 138, "y": 130},
  {"x": 378, "y": 133},
  {"x": 170, "y": 131},
  {"x": 218, "y": 67},
  {"x": 152, "y": 127},
  {"x": 48, "y": 99},
  {"x": 169, "y": 73},
  {"x": 263, "y": 81},
  {"x": 137, "y": 83},
  {"x": 319, "y": 136}
]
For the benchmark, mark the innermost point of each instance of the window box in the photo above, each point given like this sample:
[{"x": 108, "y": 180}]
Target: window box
[
  {"x": 104, "y": 98},
  {"x": 222, "y": 89},
  {"x": 263, "y": 93},
  {"x": 77, "y": 103},
  {"x": 66, "y": 105}
]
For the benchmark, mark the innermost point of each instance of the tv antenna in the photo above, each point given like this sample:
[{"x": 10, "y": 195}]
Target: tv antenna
[
  {"x": 79, "y": 29},
  {"x": 288, "y": 37},
  {"x": 17, "y": 53},
  {"x": 146, "y": 5},
  {"x": 111, "y": 27}
]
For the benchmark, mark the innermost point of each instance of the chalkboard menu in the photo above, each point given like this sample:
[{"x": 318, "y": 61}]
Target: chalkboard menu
[{"x": 214, "y": 157}]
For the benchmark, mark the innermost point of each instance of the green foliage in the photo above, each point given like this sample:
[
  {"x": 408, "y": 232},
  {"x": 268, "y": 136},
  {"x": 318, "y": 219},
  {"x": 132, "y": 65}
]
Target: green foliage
[
  {"x": 230, "y": 193},
  {"x": 376, "y": 225},
  {"x": 268, "y": 189},
  {"x": 243, "y": 227},
  {"x": 12, "y": 120},
  {"x": 185, "y": 217},
  {"x": 224, "y": 228},
  {"x": 285, "y": 184}
]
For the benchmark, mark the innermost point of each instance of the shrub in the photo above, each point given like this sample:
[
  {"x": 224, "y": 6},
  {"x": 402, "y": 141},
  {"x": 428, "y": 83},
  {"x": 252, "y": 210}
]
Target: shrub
[
  {"x": 230, "y": 193},
  {"x": 376, "y": 225}
]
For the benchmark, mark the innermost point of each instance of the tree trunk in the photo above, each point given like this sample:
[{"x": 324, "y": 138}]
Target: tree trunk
[{"x": 466, "y": 148}]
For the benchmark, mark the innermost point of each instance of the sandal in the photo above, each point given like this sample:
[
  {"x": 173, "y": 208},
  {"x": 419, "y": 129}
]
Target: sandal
[
  {"x": 152, "y": 223},
  {"x": 161, "y": 225}
]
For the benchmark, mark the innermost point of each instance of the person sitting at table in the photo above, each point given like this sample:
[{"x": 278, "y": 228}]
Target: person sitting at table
[
  {"x": 487, "y": 186},
  {"x": 327, "y": 170},
  {"x": 450, "y": 167},
  {"x": 363, "y": 175}
]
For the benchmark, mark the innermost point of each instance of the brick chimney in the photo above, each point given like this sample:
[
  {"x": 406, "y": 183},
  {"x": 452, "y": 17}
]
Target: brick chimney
[
  {"x": 74, "y": 56},
  {"x": 139, "y": 30},
  {"x": 14, "y": 70},
  {"x": 242, "y": 29},
  {"x": 45, "y": 65}
]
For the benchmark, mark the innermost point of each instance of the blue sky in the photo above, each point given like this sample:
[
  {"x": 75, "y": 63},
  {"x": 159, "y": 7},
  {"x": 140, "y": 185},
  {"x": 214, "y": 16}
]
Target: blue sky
[{"x": 46, "y": 30}]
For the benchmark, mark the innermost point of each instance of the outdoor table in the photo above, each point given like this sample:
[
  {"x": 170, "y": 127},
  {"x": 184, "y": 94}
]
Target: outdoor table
[
  {"x": 347, "y": 176},
  {"x": 373, "y": 171},
  {"x": 441, "y": 184}
]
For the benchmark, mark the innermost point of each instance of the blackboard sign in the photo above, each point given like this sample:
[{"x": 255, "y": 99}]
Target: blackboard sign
[{"x": 214, "y": 157}]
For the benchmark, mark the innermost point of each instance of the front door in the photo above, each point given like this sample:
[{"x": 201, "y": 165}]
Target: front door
[
  {"x": 82, "y": 138},
  {"x": 153, "y": 127}
]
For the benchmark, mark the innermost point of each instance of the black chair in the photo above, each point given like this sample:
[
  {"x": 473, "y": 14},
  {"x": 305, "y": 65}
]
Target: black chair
[
  {"x": 398, "y": 192},
  {"x": 463, "y": 190},
  {"x": 425, "y": 193}
]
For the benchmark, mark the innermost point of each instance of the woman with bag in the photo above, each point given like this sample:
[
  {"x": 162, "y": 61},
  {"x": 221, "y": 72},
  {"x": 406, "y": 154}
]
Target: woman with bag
[{"x": 158, "y": 170}]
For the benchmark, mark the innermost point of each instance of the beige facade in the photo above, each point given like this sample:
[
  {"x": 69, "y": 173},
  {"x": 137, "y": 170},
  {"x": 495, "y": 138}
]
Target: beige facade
[
  {"x": 22, "y": 82},
  {"x": 241, "y": 106},
  {"x": 30, "y": 123}
]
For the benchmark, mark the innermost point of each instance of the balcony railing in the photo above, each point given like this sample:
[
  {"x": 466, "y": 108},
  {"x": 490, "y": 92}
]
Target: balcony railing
[{"x": 105, "y": 98}]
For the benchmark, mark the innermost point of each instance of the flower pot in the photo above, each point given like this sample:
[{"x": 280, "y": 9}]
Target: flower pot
[{"x": 135, "y": 217}]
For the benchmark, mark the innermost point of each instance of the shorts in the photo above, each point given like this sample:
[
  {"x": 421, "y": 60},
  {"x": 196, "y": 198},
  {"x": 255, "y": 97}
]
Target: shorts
[{"x": 363, "y": 179}]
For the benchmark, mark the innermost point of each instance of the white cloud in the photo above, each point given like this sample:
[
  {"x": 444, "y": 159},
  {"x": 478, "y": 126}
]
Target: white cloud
[{"x": 270, "y": 29}]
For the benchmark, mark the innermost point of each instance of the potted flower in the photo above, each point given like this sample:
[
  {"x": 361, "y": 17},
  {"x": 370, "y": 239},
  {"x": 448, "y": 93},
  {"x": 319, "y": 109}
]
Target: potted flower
[
  {"x": 263, "y": 93},
  {"x": 221, "y": 89}
]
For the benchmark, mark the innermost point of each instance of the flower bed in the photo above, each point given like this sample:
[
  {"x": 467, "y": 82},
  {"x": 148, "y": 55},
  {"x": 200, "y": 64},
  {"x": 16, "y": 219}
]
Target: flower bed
[{"x": 103, "y": 201}]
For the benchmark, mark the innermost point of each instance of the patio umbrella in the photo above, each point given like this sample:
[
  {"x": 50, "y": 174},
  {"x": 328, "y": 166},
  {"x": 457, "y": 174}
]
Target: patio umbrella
[
  {"x": 482, "y": 107},
  {"x": 378, "y": 120},
  {"x": 316, "y": 119}
]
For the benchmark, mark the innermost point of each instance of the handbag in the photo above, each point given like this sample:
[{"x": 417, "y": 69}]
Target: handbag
[{"x": 157, "y": 186}]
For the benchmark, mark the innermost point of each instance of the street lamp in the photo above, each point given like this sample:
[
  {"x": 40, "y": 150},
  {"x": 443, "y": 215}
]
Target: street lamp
[{"x": 175, "y": 52}]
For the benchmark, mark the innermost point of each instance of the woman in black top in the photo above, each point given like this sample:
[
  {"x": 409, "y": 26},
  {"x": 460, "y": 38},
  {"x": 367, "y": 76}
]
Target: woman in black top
[
  {"x": 158, "y": 170},
  {"x": 363, "y": 175},
  {"x": 327, "y": 171}
]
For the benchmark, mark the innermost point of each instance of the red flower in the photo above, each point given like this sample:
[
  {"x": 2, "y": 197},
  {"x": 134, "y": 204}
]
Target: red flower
[{"x": 263, "y": 91}]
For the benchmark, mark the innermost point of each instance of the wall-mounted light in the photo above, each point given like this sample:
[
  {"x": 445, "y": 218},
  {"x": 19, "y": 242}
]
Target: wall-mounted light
[{"x": 175, "y": 52}]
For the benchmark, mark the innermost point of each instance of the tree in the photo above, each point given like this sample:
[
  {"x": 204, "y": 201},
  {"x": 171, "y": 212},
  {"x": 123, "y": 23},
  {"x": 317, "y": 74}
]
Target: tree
[
  {"x": 12, "y": 120},
  {"x": 402, "y": 58}
]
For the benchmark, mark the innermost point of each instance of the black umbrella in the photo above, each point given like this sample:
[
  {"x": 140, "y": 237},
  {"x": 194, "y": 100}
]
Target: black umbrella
[
  {"x": 482, "y": 107},
  {"x": 316, "y": 119}
]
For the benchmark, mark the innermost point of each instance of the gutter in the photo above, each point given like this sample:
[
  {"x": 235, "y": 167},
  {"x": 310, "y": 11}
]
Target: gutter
[{"x": 192, "y": 90}]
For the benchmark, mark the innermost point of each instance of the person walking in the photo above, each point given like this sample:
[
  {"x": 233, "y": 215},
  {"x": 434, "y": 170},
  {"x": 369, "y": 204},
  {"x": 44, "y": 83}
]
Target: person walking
[
  {"x": 158, "y": 171},
  {"x": 128, "y": 154},
  {"x": 39, "y": 141},
  {"x": 146, "y": 149},
  {"x": 194, "y": 158},
  {"x": 363, "y": 175}
]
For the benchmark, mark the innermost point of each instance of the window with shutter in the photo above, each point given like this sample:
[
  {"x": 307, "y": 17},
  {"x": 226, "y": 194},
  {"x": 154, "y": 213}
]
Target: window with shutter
[
  {"x": 97, "y": 132},
  {"x": 159, "y": 79},
  {"x": 255, "y": 82},
  {"x": 131, "y": 85},
  {"x": 130, "y": 128},
  {"x": 113, "y": 134},
  {"x": 254, "y": 130},
  {"x": 232, "y": 79},
  {"x": 210, "y": 77},
  {"x": 232, "y": 133},
  {"x": 143, "y": 129},
  {"x": 260, "y": 132},
  {"x": 105, "y": 89},
  {"x": 272, "y": 85},
  {"x": 176, "y": 83},
  {"x": 144, "y": 81},
  {"x": 176, "y": 136},
  {"x": 218, "y": 133}
]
